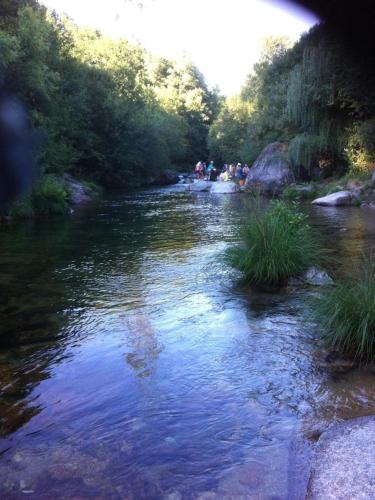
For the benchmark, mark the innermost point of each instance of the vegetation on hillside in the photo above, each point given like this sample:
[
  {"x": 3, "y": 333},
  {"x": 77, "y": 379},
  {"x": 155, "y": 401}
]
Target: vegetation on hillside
[
  {"x": 314, "y": 97},
  {"x": 104, "y": 109}
]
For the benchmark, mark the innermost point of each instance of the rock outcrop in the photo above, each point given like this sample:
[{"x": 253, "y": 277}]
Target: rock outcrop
[
  {"x": 271, "y": 171},
  {"x": 340, "y": 198},
  {"x": 80, "y": 194},
  {"x": 225, "y": 187},
  {"x": 343, "y": 465}
]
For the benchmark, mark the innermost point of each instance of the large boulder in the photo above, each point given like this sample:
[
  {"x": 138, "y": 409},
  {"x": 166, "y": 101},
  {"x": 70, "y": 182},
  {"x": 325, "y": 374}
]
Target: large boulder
[
  {"x": 199, "y": 186},
  {"x": 80, "y": 194},
  {"x": 340, "y": 198},
  {"x": 343, "y": 465},
  {"x": 271, "y": 171},
  {"x": 225, "y": 187}
]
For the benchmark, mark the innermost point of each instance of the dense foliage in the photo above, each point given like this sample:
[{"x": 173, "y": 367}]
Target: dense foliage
[
  {"x": 313, "y": 96},
  {"x": 105, "y": 109},
  {"x": 277, "y": 244}
]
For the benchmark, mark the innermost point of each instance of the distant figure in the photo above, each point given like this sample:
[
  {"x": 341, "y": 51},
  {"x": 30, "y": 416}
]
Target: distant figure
[
  {"x": 213, "y": 174},
  {"x": 199, "y": 170},
  {"x": 210, "y": 166},
  {"x": 224, "y": 176},
  {"x": 232, "y": 171},
  {"x": 245, "y": 171},
  {"x": 204, "y": 169},
  {"x": 238, "y": 174}
]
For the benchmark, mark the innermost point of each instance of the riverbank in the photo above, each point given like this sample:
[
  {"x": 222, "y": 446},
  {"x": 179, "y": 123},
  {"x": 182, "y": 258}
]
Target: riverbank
[
  {"x": 355, "y": 190},
  {"x": 60, "y": 195},
  {"x": 53, "y": 196}
]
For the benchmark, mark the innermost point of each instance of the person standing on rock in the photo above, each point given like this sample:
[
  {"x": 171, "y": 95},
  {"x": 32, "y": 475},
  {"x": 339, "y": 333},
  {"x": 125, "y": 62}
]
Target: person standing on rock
[
  {"x": 239, "y": 174},
  {"x": 213, "y": 174},
  {"x": 232, "y": 171}
]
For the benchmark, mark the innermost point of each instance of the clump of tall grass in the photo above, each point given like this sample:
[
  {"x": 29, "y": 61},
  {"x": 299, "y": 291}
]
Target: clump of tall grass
[
  {"x": 276, "y": 245},
  {"x": 50, "y": 197},
  {"x": 346, "y": 313},
  {"x": 307, "y": 192}
]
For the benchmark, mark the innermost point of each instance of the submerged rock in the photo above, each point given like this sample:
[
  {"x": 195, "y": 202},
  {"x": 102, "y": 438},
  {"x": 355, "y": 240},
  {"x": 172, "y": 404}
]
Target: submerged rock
[
  {"x": 271, "y": 171},
  {"x": 340, "y": 198},
  {"x": 333, "y": 362},
  {"x": 199, "y": 186},
  {"x": 313, "y": 276},
  {"x": 225, "y": 187},
  {"x": 317, "y": 277},
  {"x": 343, "y": 465}
]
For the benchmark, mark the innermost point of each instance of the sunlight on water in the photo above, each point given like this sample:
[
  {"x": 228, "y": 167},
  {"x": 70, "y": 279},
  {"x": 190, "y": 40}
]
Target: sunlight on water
[{"x": 147, "y": 370}]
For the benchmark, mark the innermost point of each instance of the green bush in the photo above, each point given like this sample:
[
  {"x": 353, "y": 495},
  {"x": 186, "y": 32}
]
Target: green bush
[
  {"x": 346, "y": 313},
  {"x": 276, "y": 245},
  {"x": 22, "y": 209},
  {"x": 300, "y": 193},
  {"x": 50, "y": 197}
]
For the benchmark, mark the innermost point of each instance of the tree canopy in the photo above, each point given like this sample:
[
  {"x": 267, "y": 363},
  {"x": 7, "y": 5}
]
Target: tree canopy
[
  {"x": 107, "y": 109},
  {"x": 313, "y": 96}
]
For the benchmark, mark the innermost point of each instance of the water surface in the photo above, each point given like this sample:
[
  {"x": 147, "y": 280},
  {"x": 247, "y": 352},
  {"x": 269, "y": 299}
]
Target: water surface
[{"x": 148, "y": 370}]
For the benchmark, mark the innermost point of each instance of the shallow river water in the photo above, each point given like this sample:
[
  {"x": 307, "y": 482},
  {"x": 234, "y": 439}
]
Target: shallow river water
[{"x": 148, "y": 371}]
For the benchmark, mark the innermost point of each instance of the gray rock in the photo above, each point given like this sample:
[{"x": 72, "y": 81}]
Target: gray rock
[
  {"x": 199, "y": 186},
  {"x": 343, "y": 465},
  {"x": 80, "y": 194},
  {"x": 340, "y": 198},
  {"x": 271, "y": 171},
  {"x": 225, "y": 187},
  {"x": 313, "y": 276},
  {"x": 309, "y": 188},
  {"x": 317, "y": 277}
]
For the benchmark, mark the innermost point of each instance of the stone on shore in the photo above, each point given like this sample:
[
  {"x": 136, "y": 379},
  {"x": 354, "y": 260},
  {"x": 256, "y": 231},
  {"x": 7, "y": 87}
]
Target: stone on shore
[
  {"x": 80, "y": 194},
  {"x": 199, "y": 186},
  {"x": 271, "y": 171},
  {"x": 227, "y": 187},
  {"x": 317, "y": 277},
  {"x": 343, "y": 466},
  {"x": 340, "y": 198}
]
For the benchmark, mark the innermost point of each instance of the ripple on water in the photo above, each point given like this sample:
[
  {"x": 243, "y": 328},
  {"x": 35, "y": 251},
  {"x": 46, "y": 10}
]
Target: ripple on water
[{"x": 155, "y": 373}]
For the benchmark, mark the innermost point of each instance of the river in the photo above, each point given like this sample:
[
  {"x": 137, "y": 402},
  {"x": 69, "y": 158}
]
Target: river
[{"x": 148, "y": 370}]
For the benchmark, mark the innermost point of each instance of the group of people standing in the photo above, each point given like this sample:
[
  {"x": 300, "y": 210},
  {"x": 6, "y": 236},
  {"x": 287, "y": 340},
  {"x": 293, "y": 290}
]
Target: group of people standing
[{"x": 232, "y": 172}]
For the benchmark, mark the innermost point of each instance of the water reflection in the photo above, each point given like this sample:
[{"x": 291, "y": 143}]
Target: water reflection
[
  {"x": 143, "y": 345},
  {"x": 162, "y": 375}
]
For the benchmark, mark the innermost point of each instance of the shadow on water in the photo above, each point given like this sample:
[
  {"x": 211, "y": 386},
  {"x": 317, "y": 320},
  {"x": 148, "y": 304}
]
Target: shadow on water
[{"x": 134, "y": 365}]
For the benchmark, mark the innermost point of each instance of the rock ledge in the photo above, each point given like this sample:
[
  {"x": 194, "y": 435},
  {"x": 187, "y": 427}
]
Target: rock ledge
[{"x": 344, "y": 465}]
